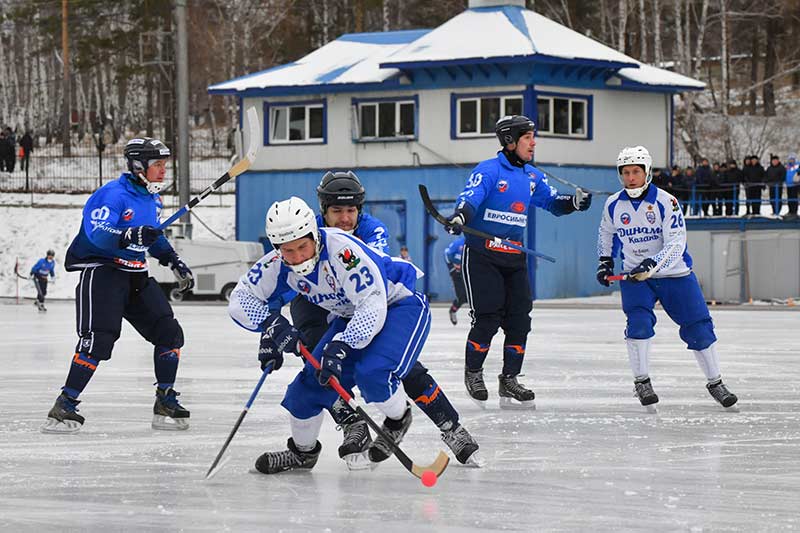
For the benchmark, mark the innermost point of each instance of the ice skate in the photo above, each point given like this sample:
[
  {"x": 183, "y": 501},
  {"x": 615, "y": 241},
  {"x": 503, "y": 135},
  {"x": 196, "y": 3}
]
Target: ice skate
[
  {"x": 724, "y": 397},
  {"x": 463, "y": 446},
  {"x": 40, "y": 306},
  {"x": 647, "y": 396},
  {"x": 63, "y": 417},
  {"x": 355, "y": 443},
  {"x": 168, "y": 414},
  {"x": 289, "y": 459},
  {"x": 380, "y": 449},
  {"x": 476, "y": 387},
  {"x": 513, "y": 395},
  {"x": 453, "y": 315}
]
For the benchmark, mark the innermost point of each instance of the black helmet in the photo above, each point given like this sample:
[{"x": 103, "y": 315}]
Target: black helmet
[
  {"x": 340, "y": 188},
  {"x": 140, "y": 152},
  {"x": 511, "y": 127},
  {"x": 50, "y": 253}
]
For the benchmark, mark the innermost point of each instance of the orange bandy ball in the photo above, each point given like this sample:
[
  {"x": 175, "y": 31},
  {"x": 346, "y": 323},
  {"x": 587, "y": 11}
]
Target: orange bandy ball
[{"x": 428, "y": 478}]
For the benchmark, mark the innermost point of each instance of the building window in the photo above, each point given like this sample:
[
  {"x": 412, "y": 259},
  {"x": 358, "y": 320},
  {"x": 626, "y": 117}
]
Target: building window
[
  {"x": 477, "y": 116},
  {"x": 296, "y": 123},
  {"x": 386, "y": 120},
  {"x": 562, "y": 116}
]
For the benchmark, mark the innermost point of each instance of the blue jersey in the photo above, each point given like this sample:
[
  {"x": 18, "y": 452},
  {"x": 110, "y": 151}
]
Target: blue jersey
[
  {"x": 110, "y": 210},
  {"x": 453, "y": 253},
  {"x": 369, "y": 229},
  {"x": 43, "y": 267},
  {"x": 498, "y": 195},
  {"x": 791, "y": 173}
]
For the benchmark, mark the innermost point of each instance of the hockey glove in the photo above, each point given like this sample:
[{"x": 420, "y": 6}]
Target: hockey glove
[
  {"x": 454, "y": 223},
  {"x": 330, "y": 364},
  {"x": 605, "y": 268},
  {"x": 269, "y": 351},
  {"x": 582, "y": 200},
  {"x": 285, "y": 336},
  {"x": 140, "y": 236},
  {"x": 645, "y": 269},
  {"x": 183, "y": 274}
]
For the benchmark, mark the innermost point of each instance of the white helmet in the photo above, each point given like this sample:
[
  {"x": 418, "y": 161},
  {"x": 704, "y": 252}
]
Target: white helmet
[
  {"x": 635, "y": 155},
  {"x": 290, "y": 220}
]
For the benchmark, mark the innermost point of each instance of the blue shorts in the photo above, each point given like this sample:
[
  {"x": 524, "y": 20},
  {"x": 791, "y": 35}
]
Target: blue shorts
[
  {"x": 682, "y": 300},
  {"x": 377, "y": 369}
]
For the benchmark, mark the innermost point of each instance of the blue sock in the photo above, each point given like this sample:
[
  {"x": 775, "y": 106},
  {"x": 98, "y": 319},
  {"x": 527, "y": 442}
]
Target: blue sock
[
  {"x": 165, "y": 361},
  {"x": 80, "y": 373},
  {"x": 513, "y": 355},
  {"x": 476, "y": 354}
]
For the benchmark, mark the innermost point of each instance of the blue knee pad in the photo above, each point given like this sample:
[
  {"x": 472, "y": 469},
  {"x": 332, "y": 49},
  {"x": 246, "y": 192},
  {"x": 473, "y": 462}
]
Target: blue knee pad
[
  {"x": 168, "y": 333},
  {"x": 699, "y": 335},
  {"x": 640, "y": 324},
  {"x": 98, "y": 344}
]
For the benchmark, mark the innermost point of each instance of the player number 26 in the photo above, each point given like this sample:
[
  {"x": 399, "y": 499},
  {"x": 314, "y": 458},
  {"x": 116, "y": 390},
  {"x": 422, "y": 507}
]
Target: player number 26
[
  {"x": 356, "y": 277},
  {"x": 677, "y": 221}
]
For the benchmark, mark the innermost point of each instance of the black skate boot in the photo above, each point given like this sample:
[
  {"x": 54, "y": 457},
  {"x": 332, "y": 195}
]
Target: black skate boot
[
  {"x": 720, "y": 392},
  {"x": 463, "y": 446},
  {"x": 647, "y": 396},
  {"x": 476, "y": 388},
  {"x": 355, "y": 443},
  {"x": 291, "y": 459},
  {"x": 453, "y": 315},
  {"x": 63, "y": 417},
  {"x": 380, "y": 450},
  {"x": 167, "y": 412},
  {"x": 513, "y": 395}
]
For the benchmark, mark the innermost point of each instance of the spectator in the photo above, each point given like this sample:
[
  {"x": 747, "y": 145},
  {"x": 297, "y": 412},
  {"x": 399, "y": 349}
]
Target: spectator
[
  {"x": 775, "y": 176},
  {"x": 11, "y": 157},
  {"x": 689, "y": 181},
  {"x": 754, "y": 176},
  {"x": 3, "y": 150},
  {"x": 27, "y": 146},
  {"x": 716, "y": 193},
  {"x": 404, "y": 253},
  {"x": 660, "y": 179},
  {"x": 703, "y": 187},
  {"x": 792, "y": 186},
  {"x": 675, "y": 182},
  {"x": 730, "y": 187}
]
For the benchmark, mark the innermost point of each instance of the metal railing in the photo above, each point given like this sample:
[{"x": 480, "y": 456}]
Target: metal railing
[{"x": 740, "y": 199}]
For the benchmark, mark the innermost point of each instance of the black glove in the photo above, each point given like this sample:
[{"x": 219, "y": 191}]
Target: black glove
[
  {"x": 140, "y": 236},
  {"x": 645, "y": 269},
  {"x": 181, "y": 272},
  {"x": 605, "y": 268},
  {"x": 331, "y": 361},
  {"x": 582, "y": 200},
  {"x": 269, "y": 351},
  {"x": 285, "y": 336},
  {"x": 454, "y": 222}
]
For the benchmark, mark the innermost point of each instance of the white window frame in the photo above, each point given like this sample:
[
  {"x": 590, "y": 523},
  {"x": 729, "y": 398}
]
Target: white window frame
[
  {"x": 376, "y": 105},
  {"x": 479, "y": 100},
  {"x": 540, "y": 131},
  {"x": 307, "y": 126}
]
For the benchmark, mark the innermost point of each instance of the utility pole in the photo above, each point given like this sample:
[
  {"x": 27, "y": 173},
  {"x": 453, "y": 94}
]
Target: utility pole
[
  {"x": 67, "y": 151},
  {"x": 182, "y": 97}
]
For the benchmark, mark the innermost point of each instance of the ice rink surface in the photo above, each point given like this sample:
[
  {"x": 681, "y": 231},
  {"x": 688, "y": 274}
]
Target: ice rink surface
[{"x": 588, "y": 459}]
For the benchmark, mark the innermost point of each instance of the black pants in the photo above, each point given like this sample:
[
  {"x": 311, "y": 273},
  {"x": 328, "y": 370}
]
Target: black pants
[
  {"x": 792, "y": 198},
  {"x": 310, "y": 319},
  {"x": 775, "y": 197},
  {"x": 105, "y": 295},
  {"x": 753, "y": 193},
  {"x": 41, "y": 287},
  {"x": 499, "y": 293},
  {"x": 458, "y": 285}
]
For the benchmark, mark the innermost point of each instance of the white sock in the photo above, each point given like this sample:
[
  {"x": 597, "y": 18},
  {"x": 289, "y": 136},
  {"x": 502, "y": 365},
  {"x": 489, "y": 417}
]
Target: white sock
[
  {"x": 395, "y": 406},
  {"x": 639, "y": 357},
  {"x": 708, "y": 361},
  {"x": 305, "y": 432}
]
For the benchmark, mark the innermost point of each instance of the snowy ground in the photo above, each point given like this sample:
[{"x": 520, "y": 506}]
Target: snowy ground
[{"x": 588, "y": 459}]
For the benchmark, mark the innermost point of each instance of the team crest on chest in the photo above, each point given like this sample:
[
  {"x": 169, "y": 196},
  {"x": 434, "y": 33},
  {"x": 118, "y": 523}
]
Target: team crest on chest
[
  {"x": 502, "y": 185},
  {"x": 533, "y": 183},
  {"x": 625, "y": 218},
  {"x": 651, "y": 216},
  {"x": 349, "y": 259},
  {"x": 331, "y": 282},
  {"x": 127, "y": 215},
  {"x": 304, "y": 286}
]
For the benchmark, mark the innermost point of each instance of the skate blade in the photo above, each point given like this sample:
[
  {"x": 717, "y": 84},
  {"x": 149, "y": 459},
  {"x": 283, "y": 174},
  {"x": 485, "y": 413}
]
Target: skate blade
[
  {"x": 512, "y": 404},
  {"x": 55, "y": 426},
  {"x": 732, "y": 409},
  {"x": 169, "y": 424},
  {"x": 359, "y": 461},
  {"x": 479, "y": 403},
  {"x": 650, "y": 409},
  {"x": 476, "y": 460}
]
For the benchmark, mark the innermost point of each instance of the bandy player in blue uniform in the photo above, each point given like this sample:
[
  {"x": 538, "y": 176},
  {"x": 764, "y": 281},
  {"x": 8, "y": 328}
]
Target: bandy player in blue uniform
[
  {"x": 644, "y": 226},
  {"x": 453, "y": 256},
  {"x": 118, "y": 227},
  {"x": 496, "y": 200},
  {"x": 379, "y": 328},
  {"x": 44, "y": 267},
  {"x": 341, "y": 202}
]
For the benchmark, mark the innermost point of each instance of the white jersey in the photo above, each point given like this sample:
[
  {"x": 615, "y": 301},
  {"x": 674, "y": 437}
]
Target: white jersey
[
  {"x": 351, "y": 280},
  {"x": 651, "y": 226}
]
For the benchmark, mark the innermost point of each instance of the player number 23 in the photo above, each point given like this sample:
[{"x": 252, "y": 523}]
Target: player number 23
[{"x": 356, "y": 277}]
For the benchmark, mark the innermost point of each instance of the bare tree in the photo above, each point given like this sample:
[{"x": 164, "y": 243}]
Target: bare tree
[
  {"x": 642, "y": 32},
  {"x": 623, "y": 21}
]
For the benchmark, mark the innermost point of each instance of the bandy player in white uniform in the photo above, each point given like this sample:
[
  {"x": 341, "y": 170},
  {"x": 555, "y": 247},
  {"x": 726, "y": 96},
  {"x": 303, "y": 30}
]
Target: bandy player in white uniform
[{"x": 644, "y": 226}]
